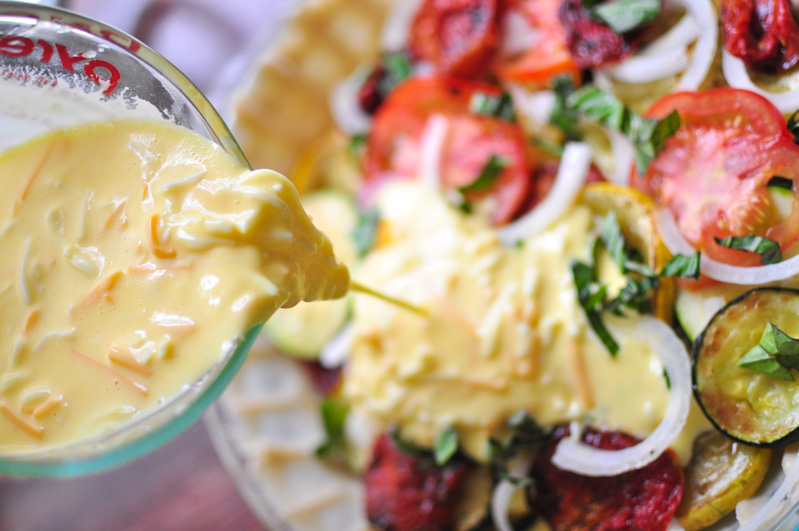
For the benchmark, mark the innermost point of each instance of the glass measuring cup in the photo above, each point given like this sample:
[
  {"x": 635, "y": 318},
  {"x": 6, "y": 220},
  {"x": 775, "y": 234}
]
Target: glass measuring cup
[{"x": 59, "y": 69}]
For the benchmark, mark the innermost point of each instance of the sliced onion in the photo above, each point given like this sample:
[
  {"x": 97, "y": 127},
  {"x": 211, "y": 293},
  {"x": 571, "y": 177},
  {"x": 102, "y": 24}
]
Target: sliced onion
[
  {"x": 737, "y": 76},
  {"x": 518, "y": 35},
  {"x": 337, "y": 349},
  {"x": 668, "y": 55},
  {"x": 645, "y": 68},
  {"x": 571, "y": 175},
  {"x": 680, "y": 35},
  {"x": 430, "y": 160},
  {"x": 503, "y": 493},
  {"x": 398, "y": 25},
  {"x": 344, "y": 105},
  {"x": 763, "y": 518},
  {"x": 623, "y": 156},
  {"x": 704, "y": 14},
  {"x": 535, "y": 106},
  {"x": 575, "y": 456},
  {"x": 744, "y": 276}
]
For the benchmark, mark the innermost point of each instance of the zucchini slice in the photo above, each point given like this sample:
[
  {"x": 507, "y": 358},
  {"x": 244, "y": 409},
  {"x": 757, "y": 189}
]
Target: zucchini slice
[
  {"x": 747, "y": 406},
  {"x": 303, "y": 330}
]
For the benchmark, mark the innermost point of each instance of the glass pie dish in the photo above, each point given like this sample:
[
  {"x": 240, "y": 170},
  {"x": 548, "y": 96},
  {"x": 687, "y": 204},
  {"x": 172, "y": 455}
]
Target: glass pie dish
[{"x": 265, "y": 428}]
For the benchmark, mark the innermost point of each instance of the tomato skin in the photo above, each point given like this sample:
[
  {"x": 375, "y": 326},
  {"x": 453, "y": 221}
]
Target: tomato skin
[
  {"x": 761, "y": 32},
  {"x": 457, "y": 36},
  {"x": 643, "y": 499},
  {"x": 714, "y": 171},
  {"x": 550, "y": 58},
  {"x": 394, "y": 143}
]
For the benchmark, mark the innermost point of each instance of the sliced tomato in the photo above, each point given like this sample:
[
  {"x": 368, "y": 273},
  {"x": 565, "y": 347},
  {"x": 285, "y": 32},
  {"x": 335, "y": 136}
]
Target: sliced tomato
[
  {"x": 394, "y": 145},
  {"x": 549, "y": 57},
  {"x": 457, "y": 36},
  {"x": 713, "y": 173}
]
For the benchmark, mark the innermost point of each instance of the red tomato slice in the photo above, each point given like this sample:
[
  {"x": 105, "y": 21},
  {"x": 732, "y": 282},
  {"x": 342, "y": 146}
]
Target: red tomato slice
[
  {"x": 457, "y": 36},
  {"x": 550, "y": 57},
  {"x": 394, "y": 143},
  {"x": 714, "y": 171}
]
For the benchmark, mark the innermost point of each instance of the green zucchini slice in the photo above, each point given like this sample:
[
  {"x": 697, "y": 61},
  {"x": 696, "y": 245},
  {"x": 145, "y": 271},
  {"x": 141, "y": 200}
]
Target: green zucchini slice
[{"x": 748, "y": 406}]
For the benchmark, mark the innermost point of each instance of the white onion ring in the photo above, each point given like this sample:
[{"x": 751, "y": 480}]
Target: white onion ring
[
  {"x": 518, "y": 35},
  {"x": 573, "y": 455},
  {"x": 743, "y": 276},
  {"x": 704, "y": 52},
  {"x": 344, "y": 105},
  {"x": 503, "y": 492},
  {"x": 680, "y": 35},
  {"x": 536, "y": 106},
  {"x": 398, "y": 25},
  {"x": 623, "y": 156},
  {"x": 337, "y": 350},
  {"x": 668, "y": 55},
  {"x": 737, "y": 76},
  {"x": 645, "y": 68},
  {"x": 432, "y": 149},
  {"x": 572, "y": 173}
]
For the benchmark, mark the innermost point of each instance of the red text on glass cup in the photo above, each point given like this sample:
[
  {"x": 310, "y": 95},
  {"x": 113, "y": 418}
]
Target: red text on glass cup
[{"x": 95, "y": 69}]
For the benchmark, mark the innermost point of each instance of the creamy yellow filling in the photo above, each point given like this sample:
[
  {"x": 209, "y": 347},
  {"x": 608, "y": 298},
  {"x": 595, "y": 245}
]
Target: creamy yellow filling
[
  {"x": 134, "y": 256},
  {"x": 505, "y": 333}
]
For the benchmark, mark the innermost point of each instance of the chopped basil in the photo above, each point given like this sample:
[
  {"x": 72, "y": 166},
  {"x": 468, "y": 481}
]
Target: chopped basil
[
  {"x": 446, "y": 445},
  {"x": 549, "y": 147},
  {"x": 563, "y": 116},
  {"x": 769, "y": 250},
  {"x": 682, "y": 266},
  {"x": 758, "y": 360},
  {"x": 668, "y": 380},
  {"x": 363, "y": 235},
  {"x": 613, "y": 239},
  {"x": 334, "y": 415},
  {"x": 404, "y": 446},
  {"x": 641, "y": 280},
  {"x": 525, "y": 434},
  {"x": 357, "y": 143},
  {"x": 498, "y": 106},
  {"x": 398, "y": 66},
  {"x": 592, "y": 297},
  {"x": 491, "y": 171},
  {"x": 774, "y": 355},
  {"x": 647, "y": 135},
  {"x": 793, "y": 126},
  {"x": 781, "y": 182},
  {"x": 623, "y": 16}
]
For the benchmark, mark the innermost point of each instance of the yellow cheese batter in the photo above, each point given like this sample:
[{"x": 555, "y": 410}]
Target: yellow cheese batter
[
  {"x": 134, "y": 256},
  {"x": 506, "y": 332}
]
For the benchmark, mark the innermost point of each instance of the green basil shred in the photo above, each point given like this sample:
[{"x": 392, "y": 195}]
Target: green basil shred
[
  {"x": 446, "y": 446},
  {"x": 364, "y": 233},
  {"x": 769, "y": 250},
  {"x": 775, "y": 355},
  {"x": 624, "y": 16},
  {"x": 490, "y": 172},
  {"x": 497, "y": 106},
  {"x": 647, "y": 135},
  {"x": 641, "y": 280},
  {"x": 334, "y": 415}
]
